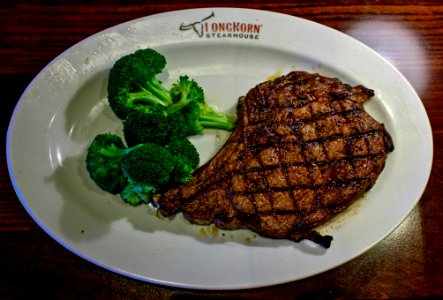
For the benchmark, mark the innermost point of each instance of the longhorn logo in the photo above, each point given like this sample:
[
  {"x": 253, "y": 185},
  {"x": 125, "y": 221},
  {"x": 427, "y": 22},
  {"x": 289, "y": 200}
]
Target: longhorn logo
[{"x": 196, "y": 26}]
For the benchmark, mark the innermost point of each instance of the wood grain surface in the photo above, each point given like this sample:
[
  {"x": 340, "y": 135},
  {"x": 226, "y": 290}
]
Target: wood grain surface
[{"x": 406, "y": 264}]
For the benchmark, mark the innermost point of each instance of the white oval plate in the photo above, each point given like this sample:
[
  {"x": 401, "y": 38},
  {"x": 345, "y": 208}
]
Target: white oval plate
[{"x": 227, "y": 51}]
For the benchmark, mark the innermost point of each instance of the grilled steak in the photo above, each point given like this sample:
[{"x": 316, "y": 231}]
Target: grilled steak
[{"x": 303, "y": 150}]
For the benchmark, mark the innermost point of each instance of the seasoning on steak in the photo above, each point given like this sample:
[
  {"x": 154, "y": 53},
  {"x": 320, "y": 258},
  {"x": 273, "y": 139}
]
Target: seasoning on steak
[{"x": 302, "y": 151}]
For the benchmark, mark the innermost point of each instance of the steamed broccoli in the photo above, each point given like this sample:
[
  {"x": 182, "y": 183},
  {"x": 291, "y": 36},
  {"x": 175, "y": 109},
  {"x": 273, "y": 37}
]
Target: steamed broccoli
[
  {"x": 146, "y": 127},
  {"x": 132, "y": 83},
  {"x": 199, "y": 116},
  {"x": 105, "y": 170},
  {"x": 156, "y": 124},
  {"x": 187, "y": 115},
  {"x": 133, "y": 87},
  {"x": 189, "y": 100},
  {"x": 137, "y": 172},
  {"x": 183, "y": 92},
  {"x": 147, "y": 167},
  {"x": 187, "y": 160}
]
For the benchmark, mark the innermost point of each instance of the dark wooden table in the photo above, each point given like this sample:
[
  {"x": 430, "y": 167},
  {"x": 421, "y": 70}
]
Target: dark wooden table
[{"x": 406, "y": 264}]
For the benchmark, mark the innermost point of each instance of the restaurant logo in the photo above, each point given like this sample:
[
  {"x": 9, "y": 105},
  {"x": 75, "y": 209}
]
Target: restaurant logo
[{"x": 209, "y": 28}]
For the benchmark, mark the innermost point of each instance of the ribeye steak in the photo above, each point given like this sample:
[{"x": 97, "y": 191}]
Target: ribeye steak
[{"x": 303, "y": 150}]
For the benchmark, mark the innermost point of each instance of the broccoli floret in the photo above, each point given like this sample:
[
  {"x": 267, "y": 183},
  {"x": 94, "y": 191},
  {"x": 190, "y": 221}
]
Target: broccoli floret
[
  {"x": 133, "y": 87},
  {"x": 156, "y": 124},
  {"x": 199, "y": 116},
  {"x": 105, "y": 170},
  {"x": 147, "y": 127},
  {"x": 187, "y": 160},
  {"x": 185, "y": 91},
  {"x": 135, "y": 193},
  {"x": 187, "y": 115},
  {"x": 188, "y": 99},
  {"x": 141, "y": 127},
  {"x": 148, "y": 163},
  {"x": 147, "y": 167},
  {"x": 135, "y": 173},
  {"x": 132, "y": 83}
]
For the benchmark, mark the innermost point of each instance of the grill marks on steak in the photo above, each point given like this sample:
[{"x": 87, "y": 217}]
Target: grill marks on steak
[{"x": 303, "y": 150}]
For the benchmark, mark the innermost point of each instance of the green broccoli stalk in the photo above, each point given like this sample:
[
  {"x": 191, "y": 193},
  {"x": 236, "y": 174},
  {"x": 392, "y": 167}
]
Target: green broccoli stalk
[
  {"x": 132, "y": 83},
  {"x": 188, "y": 99},
  {"x": 188, "y": 115},
  {"x": 209, "y": 118},
  {"x": 163, "y": 117},
  {"x": 199, "y": 116}
]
